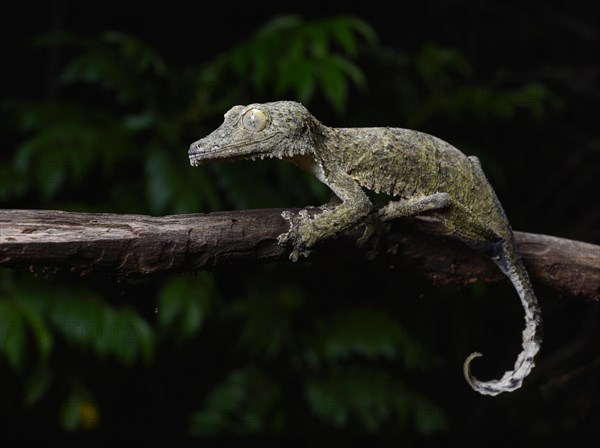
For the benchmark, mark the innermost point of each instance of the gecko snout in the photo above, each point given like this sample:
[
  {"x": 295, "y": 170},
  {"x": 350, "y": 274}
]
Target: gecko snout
[
  {"x": 195, "y": 152},
  {"x": 202, "y": 151}
]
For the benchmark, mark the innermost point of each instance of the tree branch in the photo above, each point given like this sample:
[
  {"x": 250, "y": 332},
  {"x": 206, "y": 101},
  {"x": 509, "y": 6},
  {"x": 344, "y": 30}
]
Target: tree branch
[{"x": 134, "y": 245}]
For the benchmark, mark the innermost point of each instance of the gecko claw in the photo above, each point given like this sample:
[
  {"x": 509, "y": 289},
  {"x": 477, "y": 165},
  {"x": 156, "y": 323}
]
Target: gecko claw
[{"x": 300, "y": 225}]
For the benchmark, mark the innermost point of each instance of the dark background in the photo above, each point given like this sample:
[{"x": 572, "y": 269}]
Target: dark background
[{"x": 97, "y": 123}]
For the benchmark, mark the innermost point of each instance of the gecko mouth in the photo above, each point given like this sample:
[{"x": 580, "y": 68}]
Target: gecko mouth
[{"x": 202, "y": 154}]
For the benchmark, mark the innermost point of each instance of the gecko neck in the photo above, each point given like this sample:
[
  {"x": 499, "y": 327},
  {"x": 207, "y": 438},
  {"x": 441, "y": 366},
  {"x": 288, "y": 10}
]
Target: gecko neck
[{"x": 331, "y": 144}]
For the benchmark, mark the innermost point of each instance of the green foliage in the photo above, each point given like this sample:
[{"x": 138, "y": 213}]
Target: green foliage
[
  {"x": 37, "y": 323},
  {"x": 113, "y": 117},
  {"x": 372, "y": 334},
  {"x": 297, "y": 57},
  {"x": 265, "y": 319},
  {"x": 67, "y": 141},
  {"x": 96, "y": 66},
  {"x": 503, "y": 104},
  {"x": 371, "y": 397},
  {"x": 449, "y": 91},
  {"x": 246, "y": 403},
  {"x": 183, "y": 305}
]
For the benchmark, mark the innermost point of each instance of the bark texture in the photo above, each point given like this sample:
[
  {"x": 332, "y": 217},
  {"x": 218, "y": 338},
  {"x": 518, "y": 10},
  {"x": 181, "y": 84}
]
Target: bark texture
[{"x": 137, "y": 245}]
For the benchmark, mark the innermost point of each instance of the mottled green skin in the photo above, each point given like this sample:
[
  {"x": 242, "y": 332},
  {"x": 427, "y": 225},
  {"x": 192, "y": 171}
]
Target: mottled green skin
[
  {"x": 405, "y": 163},
  {"x": 421, "y": 173}
]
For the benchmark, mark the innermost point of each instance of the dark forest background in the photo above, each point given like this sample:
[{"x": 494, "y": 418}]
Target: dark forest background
[{"x": 99, "y": 103}]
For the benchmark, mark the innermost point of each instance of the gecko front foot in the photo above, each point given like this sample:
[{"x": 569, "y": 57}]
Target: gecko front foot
[{"x": 301, "y": 235}]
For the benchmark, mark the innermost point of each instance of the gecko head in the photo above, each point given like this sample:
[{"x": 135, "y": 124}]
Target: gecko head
[{"x": 281, "y": 129}]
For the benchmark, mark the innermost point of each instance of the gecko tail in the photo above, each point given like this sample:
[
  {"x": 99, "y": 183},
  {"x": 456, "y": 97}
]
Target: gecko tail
[{"x": 510, "y": 263}]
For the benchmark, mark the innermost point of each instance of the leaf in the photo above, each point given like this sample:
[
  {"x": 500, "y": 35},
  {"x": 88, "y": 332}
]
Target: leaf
[
  {"x": 11, "y": 183},
  {"x": 66, "y": 142},
  {"x": 361, "y": 27},
  {"x": 169, "y": 305},
  {"x": 537, "y": 98},
  {"x": 93, "y": 68},
  {"x": 38, "y": 328},
  {"x": 192, "y": 316},
  {"x": 343, "y": 34},
  {"x": 143, "y": 334},
  {"x": 37, "y": 384},
  {"x": 139, "y": 121},
  {"x": 436, "y": 64},
  {"x": 266, "y": 316},
  {"x": 76, "y": 319},
  {"x": 333, "y": 84},
  {"x": 258, "y": 65},
  {"x": 133, "y": 337},
  {"x": 183, "y": 304},
  {"x": 160, "y": 180},
  {"x": 87, "y": 323},
  {"x": 126, "y": 344},
  {"x": 51, "y": 175},
  {"x": 372, "y": 398},
  {"x": 367, "y": 333},
  {"x": 353, "y": 72},
  {"x": 243, "y": 404},
  {"x": 361, "y": 393},
  {"x": 12, "y": 334},
  {"x": 105, "y": 331},
  {"x": 278, "y": 24},
  {"x": 135, "y": 51},
  {"x": 317, "y": 34},
  {"x": 70, "y": 414},
  {"x": 429, "y": 418},
  {"x": 289, "y": 55}
]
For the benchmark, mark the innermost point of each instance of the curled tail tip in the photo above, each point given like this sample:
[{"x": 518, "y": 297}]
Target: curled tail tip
[
  {"x": 510, "y": 381},
  {"x": 467, "y": 367},
  {"x": 482, "y": 387}
]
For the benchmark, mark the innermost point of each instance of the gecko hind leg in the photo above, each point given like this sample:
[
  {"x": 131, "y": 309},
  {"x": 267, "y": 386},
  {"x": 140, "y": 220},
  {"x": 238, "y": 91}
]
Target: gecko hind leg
[
  {"x": 403, "y": 209},
  {"x": 414, "y": 206}
]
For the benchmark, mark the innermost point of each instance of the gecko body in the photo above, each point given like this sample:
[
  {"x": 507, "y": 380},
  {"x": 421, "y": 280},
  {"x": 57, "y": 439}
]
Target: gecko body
[{"x": 422, "y": 175}]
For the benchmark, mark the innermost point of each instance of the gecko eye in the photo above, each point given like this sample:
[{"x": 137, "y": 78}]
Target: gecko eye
[{"x": 254, "y": 120}]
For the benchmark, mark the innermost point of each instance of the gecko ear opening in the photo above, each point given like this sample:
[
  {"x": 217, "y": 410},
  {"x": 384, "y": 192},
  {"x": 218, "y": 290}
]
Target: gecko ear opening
[{"x": 254, "y": 120}]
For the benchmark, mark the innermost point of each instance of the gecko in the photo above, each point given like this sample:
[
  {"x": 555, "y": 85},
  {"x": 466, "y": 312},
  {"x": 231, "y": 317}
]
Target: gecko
[{"x": 422, "y": 175}]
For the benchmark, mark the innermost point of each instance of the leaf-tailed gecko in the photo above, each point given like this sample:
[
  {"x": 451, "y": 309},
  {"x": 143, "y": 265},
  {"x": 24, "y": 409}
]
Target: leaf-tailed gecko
[{"x": 421, "y": 173}]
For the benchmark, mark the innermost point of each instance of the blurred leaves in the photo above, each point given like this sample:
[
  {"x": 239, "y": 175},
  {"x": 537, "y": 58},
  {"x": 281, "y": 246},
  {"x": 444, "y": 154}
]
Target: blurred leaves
[
  {"x": 96, "y": 64},
  {"x": 245, "y": 403},
  {"x": 67, "y": 141},
  {"x": 371, "y": 397},
  {"x": 183, "y": 305},
  {"x": 449, "y": 90},
  {"x": 436, "y": 65},
  {"x": 296, "y": 58},
  {"x": 369, "y": 333},
  {"x": 266, "y": 319},
  {"x": 36, "y": 323}
]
